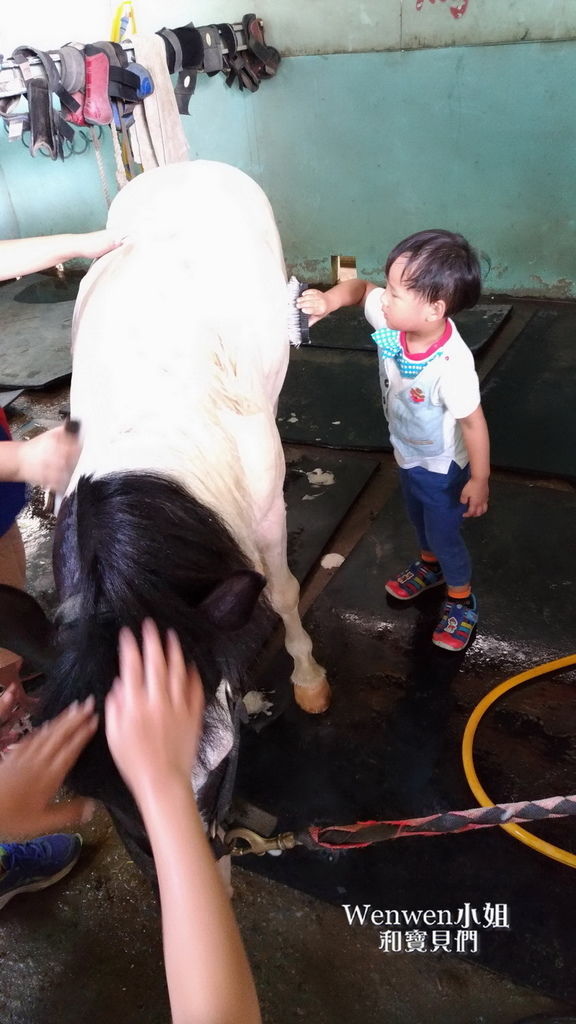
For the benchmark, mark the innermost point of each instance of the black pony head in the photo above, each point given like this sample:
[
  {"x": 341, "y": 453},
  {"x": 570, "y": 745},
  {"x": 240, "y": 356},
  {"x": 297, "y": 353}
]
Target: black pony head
[{"x": 127, "y": 547}]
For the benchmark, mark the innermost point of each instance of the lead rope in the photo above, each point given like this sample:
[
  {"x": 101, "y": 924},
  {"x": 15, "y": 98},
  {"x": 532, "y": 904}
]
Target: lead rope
[
  {"x": 239, "y": 840},
  {"x": 364, "y": 833},
  {"x": 100, "y": 164},
  {"x": 121, "y": 177}
]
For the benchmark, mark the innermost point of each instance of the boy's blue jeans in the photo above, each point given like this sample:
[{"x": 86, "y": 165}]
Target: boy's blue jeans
[{"x": 433, "y": 505}]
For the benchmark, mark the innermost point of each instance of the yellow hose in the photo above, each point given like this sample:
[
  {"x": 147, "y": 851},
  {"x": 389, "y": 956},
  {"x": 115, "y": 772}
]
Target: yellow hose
[
  {"x": 123, "y": 11},
  {"x": 548, "y": 849}
]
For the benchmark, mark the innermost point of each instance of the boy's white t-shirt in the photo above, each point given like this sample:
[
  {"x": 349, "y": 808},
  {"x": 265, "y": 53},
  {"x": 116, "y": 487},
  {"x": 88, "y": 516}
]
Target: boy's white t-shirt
[{"x": 457, "y": 389}]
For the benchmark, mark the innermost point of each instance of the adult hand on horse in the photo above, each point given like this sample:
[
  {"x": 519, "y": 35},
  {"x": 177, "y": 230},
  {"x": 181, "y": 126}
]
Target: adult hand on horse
[
  {"x": 154, "y": 711},
  {"x": 96, "y": 243},
  {"x": 47, "y": 460},
  {"x": 34, "y": 769}
]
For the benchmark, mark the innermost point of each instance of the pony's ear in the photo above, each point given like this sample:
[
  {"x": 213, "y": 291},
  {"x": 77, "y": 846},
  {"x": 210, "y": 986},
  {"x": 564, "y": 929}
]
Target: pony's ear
[
  {"x": 25, "y": 628},
  {"x": 231, "y": 603}
]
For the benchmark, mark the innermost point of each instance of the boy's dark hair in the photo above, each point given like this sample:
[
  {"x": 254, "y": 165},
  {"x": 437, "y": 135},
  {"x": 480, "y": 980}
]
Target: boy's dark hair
[{"x": 440, "y": 265}]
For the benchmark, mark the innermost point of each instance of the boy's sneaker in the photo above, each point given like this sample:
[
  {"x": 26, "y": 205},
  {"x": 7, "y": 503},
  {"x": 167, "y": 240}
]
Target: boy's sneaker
[
  {"x": 455, "y": 627},
  {"x": 36, "y": 864},
  {"x": 417, "y": 578}
]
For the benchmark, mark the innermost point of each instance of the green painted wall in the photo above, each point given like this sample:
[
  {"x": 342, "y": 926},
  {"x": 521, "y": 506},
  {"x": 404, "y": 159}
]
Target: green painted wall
[{"x": 357, "y": 150}]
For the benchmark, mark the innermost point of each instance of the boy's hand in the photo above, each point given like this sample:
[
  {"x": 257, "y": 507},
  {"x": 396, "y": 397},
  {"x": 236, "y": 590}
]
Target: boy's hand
[
  {"x": 154, "y": 711},
  {"x": 475, "y": 495},
  {"x": 49, "y": 460},
  {"x": 96, "y": 243},
  {"x": 314, "y": 304},
  {"x": 34, "y": 769}
]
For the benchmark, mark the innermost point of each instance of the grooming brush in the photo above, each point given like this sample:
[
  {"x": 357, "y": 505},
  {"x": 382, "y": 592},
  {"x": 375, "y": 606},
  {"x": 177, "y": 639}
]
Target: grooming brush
[
  {"x": 298, "y": 329},
  {"x": 71, "y": 427}
]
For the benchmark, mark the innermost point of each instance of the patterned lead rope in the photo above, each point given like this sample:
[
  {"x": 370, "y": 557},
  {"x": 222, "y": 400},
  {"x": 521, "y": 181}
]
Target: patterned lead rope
[
  {"x": 239, "y": 840},
  {"x": 364, "y": 833}
]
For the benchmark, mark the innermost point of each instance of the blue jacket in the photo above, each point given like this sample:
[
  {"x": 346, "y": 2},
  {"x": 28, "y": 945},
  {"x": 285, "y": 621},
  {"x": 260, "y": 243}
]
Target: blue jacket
[{"x": 12, "y": 495}]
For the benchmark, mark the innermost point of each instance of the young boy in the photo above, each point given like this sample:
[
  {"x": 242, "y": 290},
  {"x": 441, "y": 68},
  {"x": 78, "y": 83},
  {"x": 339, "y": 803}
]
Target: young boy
[{"x": 431, "y": 400}]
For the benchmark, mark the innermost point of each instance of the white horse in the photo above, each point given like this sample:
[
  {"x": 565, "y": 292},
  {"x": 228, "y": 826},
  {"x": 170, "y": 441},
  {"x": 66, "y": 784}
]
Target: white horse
[{"x": 180, "y": 345}]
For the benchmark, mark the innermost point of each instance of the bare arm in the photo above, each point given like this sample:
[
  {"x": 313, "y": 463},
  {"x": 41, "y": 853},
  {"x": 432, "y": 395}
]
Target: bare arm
[
  {"x": 319, "y": 304},
  {"x": 47, "y": 460},
  {"x": 33, "y": 771},
  {"x": 477, "y": 441},
  {"x": 208, "y": 975},
  {"x": 19, "y": 256},
  {"x": 153, "y": 722}
]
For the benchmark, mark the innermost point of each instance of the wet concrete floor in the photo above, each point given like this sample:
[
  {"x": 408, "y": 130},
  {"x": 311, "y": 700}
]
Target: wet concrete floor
[{"x": 89, "y": 949}]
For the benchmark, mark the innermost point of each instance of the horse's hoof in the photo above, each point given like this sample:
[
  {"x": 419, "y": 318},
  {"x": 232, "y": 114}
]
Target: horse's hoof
[{"x": 313, "y": 699}]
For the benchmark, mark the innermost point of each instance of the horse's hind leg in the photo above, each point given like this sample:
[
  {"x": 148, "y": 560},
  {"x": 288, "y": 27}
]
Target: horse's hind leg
[
  {"x": 260, "y": 451},
  {"x": 311, "y": 688}
]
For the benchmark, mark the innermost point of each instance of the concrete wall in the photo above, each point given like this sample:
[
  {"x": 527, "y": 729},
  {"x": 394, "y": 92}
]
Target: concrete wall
[
  {"x": 302, "y": 27},
  {"x": 358, "y": 149}
]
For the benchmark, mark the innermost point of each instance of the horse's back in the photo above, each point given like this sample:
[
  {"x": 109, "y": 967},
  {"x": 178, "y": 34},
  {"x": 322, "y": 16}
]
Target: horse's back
[
  {"x": 199, "y": 280},
  {"x": 180, "y": 337}
]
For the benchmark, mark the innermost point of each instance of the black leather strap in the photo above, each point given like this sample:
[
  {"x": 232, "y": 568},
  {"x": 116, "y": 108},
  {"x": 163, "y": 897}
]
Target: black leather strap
[
  {"x": 123, "y": 84},
  {"x": 212, "y": 60},
  {"x": 192, "y": 46},
  {"x": 48, "y": 128},
  {"x": 174, "y": 54},
  {"x": 267, "y": 56},
  {"x": 192, "y": 55},
  {"x": 21, "y": 56},
  {"x": 121, "y": 55}
]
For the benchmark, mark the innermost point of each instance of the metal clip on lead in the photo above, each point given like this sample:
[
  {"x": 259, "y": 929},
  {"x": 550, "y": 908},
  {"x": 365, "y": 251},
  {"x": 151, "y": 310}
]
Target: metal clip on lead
[{"x": 239, "y": 841}]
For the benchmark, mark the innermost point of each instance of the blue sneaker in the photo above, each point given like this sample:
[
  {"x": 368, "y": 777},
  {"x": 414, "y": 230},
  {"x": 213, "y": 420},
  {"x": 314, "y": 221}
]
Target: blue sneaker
[
  {"x": 36, "y": 864},
  {"x": 455, "y": 628},
  {"x": 413, "y": 581}
]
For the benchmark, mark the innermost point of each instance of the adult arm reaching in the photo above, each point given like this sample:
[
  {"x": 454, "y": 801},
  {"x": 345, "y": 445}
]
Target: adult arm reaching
[
  {"x": 153, "y": 723},
  {"x": 19, "y": 256},
  {"x": 46, "y": 461}
]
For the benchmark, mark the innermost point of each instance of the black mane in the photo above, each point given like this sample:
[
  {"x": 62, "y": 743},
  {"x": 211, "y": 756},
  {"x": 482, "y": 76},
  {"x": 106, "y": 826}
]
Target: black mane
[{"x": 130, "y": 546}]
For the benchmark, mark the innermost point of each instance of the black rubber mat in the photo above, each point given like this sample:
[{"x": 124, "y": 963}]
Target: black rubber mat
[
  {"x": 389, "y": 747},
  {"x": 348, "y": 328},
  {"x": 36, "y": 317},
  {"x": 318, "y": 494},
  {"x": 332, "y": 398},
  {"x": 7, "y": 397},
  {"x": 529, "y": 400}
]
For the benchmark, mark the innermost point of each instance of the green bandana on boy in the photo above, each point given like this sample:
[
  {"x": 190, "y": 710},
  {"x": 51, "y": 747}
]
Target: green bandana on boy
[{"x": 390, "y": 346}]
